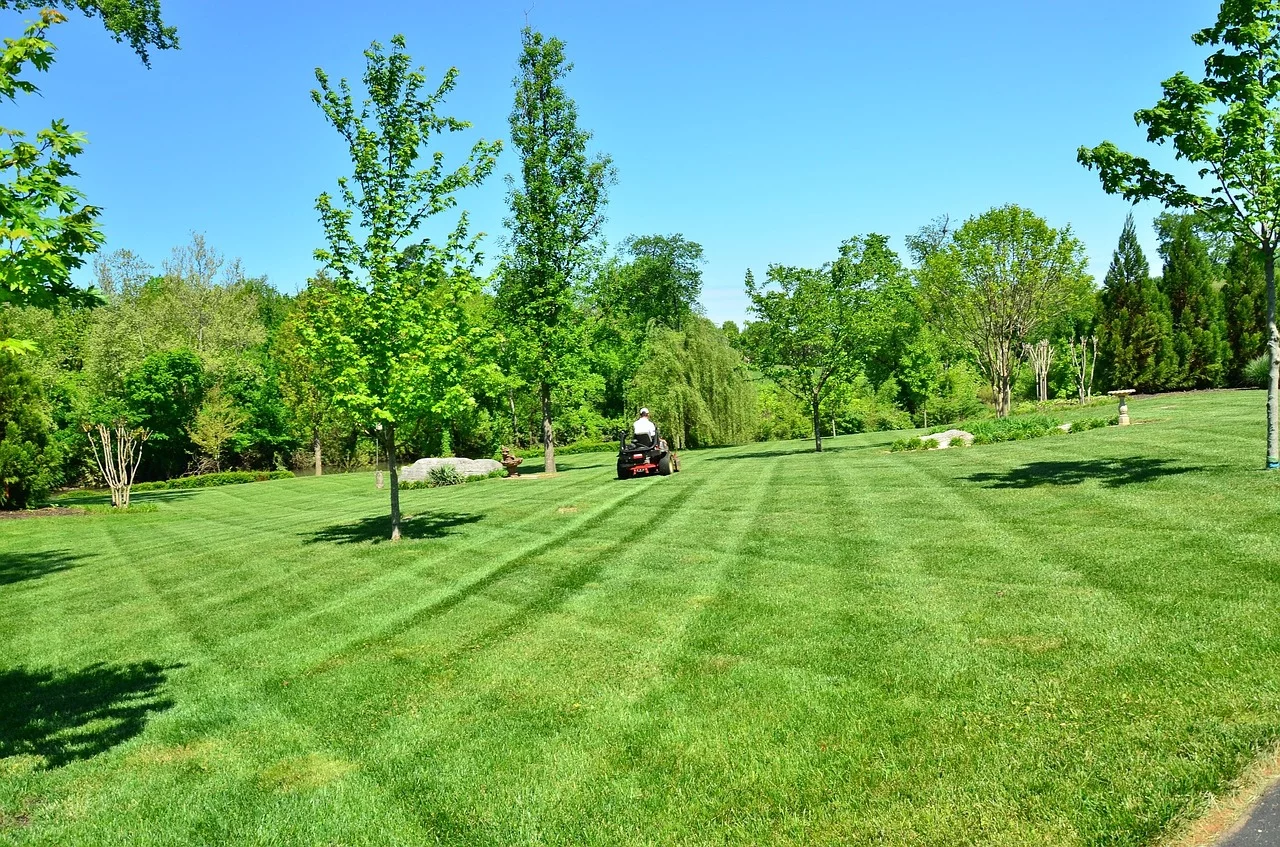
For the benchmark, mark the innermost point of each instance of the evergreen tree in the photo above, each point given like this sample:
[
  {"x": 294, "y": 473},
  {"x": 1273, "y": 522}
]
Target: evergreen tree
[
  {"x": 1195, "y": 315},
  {"x": 1134, "y": 326},
  {"x": 1244, "y": 304}
]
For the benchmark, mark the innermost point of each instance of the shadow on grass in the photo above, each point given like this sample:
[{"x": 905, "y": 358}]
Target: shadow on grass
[
  {"x": 774, "y": 454},
  {"x": 378, "y": 529},
  {"x": 17, "y": 567},
  {"x": 63, "y": 716},
  {"x": 1111, "y": 473},
  {"x": 103, "y": 498}
]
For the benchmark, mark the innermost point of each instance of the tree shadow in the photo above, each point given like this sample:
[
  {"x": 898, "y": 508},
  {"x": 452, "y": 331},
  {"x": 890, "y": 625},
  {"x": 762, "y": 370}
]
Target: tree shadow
[
  {"x": 378, "y": 529},
  {"x": 1111, "y": 473},
  {"x": 774, "y": 454},
  {"x": 64, "y": 716},
  {"x": 102, "y": 498},
  {"x": 16, "y": 567}
]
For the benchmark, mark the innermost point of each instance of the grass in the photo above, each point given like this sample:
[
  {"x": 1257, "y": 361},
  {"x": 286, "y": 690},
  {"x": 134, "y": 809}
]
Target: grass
[{"x": 1067, "y": 641}]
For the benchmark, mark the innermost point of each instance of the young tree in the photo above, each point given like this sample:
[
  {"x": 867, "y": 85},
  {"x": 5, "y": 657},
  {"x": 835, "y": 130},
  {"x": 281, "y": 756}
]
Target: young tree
[
  {"x": 1084, "y": 362},
  {"x": 1244, "y": 306},
  {"x": 305, "y": 381},
  {"x": 1228, "y": 126},
  {"x": 1194, "y": 309},
  {"x": 1134, "y": 328},
  {"x": 557, "y": 208},
  {"x": 398, "y": 336},
  {"x": 118, "y": 450},
  {"x": 815, "y": 327},
  {"x": 216, "y": 422},
  {"x": 1002, "y": 280}
]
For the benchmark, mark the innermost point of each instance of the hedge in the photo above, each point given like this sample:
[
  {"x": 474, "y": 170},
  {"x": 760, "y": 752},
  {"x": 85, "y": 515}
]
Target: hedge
[{"x": 212, "y": 480}]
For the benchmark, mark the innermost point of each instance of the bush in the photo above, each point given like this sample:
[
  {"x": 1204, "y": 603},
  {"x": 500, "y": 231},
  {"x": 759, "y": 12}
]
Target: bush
[
  {"x": 212, "y": 480},
  {"x": 454, "y": 478},
  {"x": 905, "y": 444},
  {"x": 1014, "y": 429},
  {"x": 1258, "y": 372},
  {"x": 588, "y": 446},
  {"x": 1085, "y": 424}
]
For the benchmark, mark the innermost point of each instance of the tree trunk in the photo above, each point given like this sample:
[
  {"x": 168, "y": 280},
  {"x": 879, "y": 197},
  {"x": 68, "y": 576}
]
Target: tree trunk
[
  {"x": 1273, "y": 384},
  {"x": 1003, "y": 391},
  {"x": 315, "y": 445},
  {"x": 515, "y": 428},
  {"x": 817, "y": 427},
  {"x": 548, "y": 432},
  {"x": 394, "y": 474}
]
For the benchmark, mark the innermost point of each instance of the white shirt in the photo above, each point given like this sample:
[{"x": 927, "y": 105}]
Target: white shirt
[{"x": 644, "y": 426}]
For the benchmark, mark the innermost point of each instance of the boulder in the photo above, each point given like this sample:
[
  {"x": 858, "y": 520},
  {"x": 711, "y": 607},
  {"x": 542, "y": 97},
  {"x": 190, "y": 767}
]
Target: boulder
[
  {"x": 944, "y": 439},
  {"x": 417, "y": 472}
]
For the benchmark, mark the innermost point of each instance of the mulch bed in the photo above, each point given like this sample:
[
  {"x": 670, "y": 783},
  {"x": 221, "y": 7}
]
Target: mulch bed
[{"x": 50, "y": 512}]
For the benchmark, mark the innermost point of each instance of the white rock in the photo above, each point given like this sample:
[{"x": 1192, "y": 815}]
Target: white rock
[
  {"x": 417, "y": 472},
  {"x": 944, "y": 439}
]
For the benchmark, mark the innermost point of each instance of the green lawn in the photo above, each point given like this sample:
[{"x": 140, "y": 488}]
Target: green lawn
[{"x": 1068, "y": 640}]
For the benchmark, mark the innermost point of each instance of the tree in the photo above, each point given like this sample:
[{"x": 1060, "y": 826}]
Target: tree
[
  {"x": 46, "y": 230},
  {"x": 398, "y": 333},
  {"x": 556, "y": 214},
  {"x": 1187, "y": 283},
  {"x": 216, "y": 422},
  {"x": 1244, "y": 306},
  {"x": 1134, "y": 327},
  {"x": 1228, "y": 126},
  {"x": 305, "y": 379},
  {"x": 817, "y": 326},
  {"x": 664, "y": 279},
  {"x": 29, "y": 457},
  {"x": 118, "y": 451},
  {"x": 161, "y": 395},
  {"x": 697, "y": 386},
  {"x": 999, "y": 282}
]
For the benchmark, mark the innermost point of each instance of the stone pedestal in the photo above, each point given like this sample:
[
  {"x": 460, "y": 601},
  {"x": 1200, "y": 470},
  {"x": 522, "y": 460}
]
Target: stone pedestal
[{"x": 1123, "y": 394}]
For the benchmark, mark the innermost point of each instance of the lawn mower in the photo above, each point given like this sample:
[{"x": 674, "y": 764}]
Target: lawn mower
[{"x": 642, "y": 455}]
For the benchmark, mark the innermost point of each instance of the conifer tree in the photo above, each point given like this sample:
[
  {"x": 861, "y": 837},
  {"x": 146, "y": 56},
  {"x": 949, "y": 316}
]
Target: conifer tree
[
  {"x": 1194, "y": 312},
  {"x": 1244, "y": 305},
  {"x": 1133, "y": 321}
]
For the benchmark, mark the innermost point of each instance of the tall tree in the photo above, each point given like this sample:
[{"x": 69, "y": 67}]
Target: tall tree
[
  {"x": 1135, "y": 345},
  {"x": 1244, "y": 305},
  {"x": 1002, "y": 280},
  {"x": 46, "y": 229},
  {"x": 1228, "y": 126},
  {"x": 816, "y": 327},
  {"x": 1194, "y": 308},
  {"x": 398, "y": 341},
  {"x": 557, "y": 208},
  {"x": 664, "y": 279}
]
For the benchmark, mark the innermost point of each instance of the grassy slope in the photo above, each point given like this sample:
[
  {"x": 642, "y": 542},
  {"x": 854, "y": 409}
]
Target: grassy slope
[{"x": 1060, "y": 641}]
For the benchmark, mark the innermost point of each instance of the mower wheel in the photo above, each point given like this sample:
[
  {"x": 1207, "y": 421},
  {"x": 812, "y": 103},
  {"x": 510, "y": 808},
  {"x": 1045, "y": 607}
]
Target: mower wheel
[{"x": 664, "y": 465}]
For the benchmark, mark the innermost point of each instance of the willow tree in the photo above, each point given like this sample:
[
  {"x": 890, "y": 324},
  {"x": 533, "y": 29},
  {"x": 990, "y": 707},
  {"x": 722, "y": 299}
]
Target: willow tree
[
  {"x": 397, "y": 336},
  {"x": 556, "y": 213},
  {"x": 697, "y": 385},
  {"x": 1227, "y": 126}
]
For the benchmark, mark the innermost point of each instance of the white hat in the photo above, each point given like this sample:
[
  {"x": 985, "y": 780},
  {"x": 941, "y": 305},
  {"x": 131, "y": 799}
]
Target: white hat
[{"x": 644, "y": 411}]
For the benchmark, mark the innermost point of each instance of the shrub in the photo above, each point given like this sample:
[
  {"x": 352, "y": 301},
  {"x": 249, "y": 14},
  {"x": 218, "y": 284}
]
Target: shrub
[
  {"x": 588, "y": 446},
  {"x": 1085, "y": 424},
  {"x": 444, "y": 475},
  {"x": 430, "y": 481},
  {"x": 1258, "y": 372},
  {"x": 212, "y": 480},
  {"x": 903, "y": 444}
]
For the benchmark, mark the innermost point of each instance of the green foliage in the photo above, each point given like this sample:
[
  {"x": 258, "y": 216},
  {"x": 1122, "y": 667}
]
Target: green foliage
[
  {"x": 557, "y": 209},
  {"x": 216, "y": 423},
  {"x": 696, "y": 385},
  {"x": 910, "y": 444},
  {"x": 211, "y": 480},
  {"x": 662, "y": 282},
  {"x": 815, "y": 327},
  {"x": 399, "y": 341},
  {"x": 1014, "y": 429},
  {"x": 1225, "y": 127},
  {"x": 1258, "y": 371},
  {"x": 45, "y": 228},
  {"x": 1134, "y": 326},
  {"x": 135, "y": 21},
  {"x": 572, "y": 448},
  {"x": 1194, "y": 305},
  {"x": 446, "y": 475},
  {"x": 1004, "y": 279},
  {"x": 161, "y": 395},
  {"x": 782, "y": 417},
  {"x": 30, "y": 459},
  {"x": 1244, "y": 303}
]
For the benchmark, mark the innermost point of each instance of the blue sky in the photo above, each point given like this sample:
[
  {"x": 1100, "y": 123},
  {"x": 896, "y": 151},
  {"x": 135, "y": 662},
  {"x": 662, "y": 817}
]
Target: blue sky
[{"x": 767, "y": 132}]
